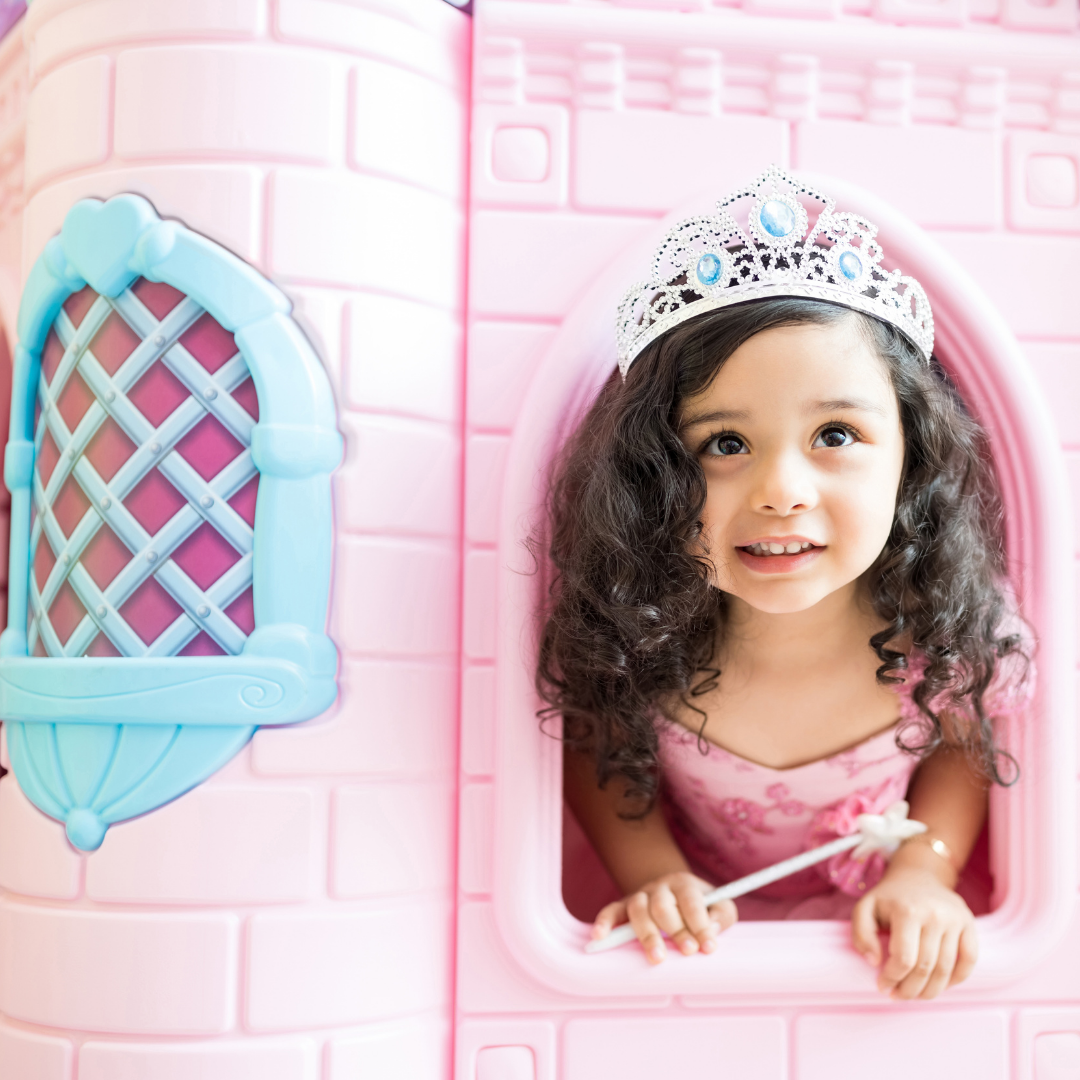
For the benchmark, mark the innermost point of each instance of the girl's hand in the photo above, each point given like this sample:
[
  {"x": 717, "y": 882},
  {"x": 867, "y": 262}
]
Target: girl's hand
[
  {"x": 932, "y": 937},
  {"x": 672, "y": 904}
]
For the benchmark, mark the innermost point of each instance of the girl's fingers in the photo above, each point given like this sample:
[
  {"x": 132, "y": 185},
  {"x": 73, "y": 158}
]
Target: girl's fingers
[
  {"x": 966, "y": 954},
  {"x": 676, "y": 909},
  {"x": 608, "y": 919},
  {"x": 725, "y": 914},
  {"x": 648, "y": 933},
  {"x": 864, "y": 931},
  {"x": 665, "y": 911},
  {"x": 904, "y": 939},
  {"x": 929, "y": 951},
  {"x": 695, "y": 917},
  {"x": 946, "y": 961}
]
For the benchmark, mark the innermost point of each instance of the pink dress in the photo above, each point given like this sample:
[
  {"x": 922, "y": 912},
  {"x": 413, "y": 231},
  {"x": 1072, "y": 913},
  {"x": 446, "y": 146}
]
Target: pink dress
[{"x": 731, "y": 816}]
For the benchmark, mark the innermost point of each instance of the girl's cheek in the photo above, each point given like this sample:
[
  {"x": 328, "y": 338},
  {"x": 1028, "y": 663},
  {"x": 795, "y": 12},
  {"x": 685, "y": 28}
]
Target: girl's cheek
[{"x": 716, "y": 533}]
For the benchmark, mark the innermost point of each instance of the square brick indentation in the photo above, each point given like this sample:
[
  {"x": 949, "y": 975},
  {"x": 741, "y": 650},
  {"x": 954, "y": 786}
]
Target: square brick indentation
[
  {"x": 1052, "y": 181},
  {"x": 520, "y": 154},
  {"x": 1057, "y": 1055}
]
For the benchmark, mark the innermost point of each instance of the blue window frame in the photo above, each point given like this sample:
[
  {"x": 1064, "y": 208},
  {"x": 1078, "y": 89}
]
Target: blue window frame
[{"x": 95, "y": 739}]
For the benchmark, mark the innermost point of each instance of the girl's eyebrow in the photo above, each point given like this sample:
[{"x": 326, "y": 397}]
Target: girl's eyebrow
[
  {"x": 721, "y": 415},
  {"x": 836, "y": 405},
  {"x": 860, "y": 404}
]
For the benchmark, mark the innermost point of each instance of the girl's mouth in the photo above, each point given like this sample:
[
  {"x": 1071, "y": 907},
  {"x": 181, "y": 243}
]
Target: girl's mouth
[
  {"x": 778, "y": 558},
  {"x": 796, "y": 547}
]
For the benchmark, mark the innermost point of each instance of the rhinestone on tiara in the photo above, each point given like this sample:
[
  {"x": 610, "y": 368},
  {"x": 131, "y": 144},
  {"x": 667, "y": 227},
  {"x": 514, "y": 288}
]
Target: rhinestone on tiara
[{"x": 761, "y": 243}]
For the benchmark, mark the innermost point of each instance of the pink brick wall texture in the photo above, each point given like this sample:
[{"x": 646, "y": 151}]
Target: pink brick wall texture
[
  {"x": 591, "y": 122},
  {"x": 324, "y": 908},
  {"x": 254, "y": 927}
]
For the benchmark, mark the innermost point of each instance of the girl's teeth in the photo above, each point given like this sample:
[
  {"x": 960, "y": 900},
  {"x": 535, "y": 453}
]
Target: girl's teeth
[{"x": 770, "y": 548}]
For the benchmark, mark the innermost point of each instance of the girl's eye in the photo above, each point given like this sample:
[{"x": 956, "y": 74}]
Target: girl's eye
[
  {"x": 726, "y": 445},
  {"x": 834, "y": 436}
]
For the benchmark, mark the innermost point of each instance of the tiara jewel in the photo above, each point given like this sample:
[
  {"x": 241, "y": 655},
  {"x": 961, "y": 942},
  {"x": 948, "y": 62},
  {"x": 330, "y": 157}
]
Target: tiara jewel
[{"x": 761, "y": 243}]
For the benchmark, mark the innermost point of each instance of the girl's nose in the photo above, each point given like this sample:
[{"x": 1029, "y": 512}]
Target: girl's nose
[{"x": 784, "y": 485}]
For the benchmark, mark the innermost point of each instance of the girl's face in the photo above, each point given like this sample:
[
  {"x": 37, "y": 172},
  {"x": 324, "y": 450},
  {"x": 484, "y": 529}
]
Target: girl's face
[{"x": 800, "y": 440}]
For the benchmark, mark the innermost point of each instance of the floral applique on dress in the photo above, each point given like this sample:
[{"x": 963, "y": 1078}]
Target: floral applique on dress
[
  {"x": 731, "y": 816},
  {"x": 732, "y": 821},
  {"x": 741, "y": 817}
]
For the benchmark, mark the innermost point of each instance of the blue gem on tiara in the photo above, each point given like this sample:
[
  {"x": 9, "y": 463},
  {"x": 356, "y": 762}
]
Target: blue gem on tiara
[
  {"x": 762, "y": 238},
  {"x": 777, "y": 218},
  {"x": 708, "y": 269},
  {"x": 850, "y": 265}
]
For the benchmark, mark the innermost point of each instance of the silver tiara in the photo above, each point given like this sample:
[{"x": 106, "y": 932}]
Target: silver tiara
[{"x": 707, "y": 263}]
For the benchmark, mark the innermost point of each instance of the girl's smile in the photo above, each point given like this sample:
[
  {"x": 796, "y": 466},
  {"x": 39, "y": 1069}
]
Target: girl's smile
[
  {"x": 763, "y": 556},
  {"x": 800, "y": 440}
]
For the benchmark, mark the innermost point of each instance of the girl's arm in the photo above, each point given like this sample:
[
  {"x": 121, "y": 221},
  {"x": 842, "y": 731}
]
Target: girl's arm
[
  {"x": 932, "y": 938},
  {"x": 660, "y": 892}
]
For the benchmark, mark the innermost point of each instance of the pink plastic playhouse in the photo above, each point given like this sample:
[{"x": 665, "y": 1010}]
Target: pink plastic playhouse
[{"x": 297, "y": 298}]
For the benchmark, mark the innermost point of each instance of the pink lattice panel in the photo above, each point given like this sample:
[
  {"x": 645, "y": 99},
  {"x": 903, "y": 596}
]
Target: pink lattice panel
[{"x": 144, "y": 486}]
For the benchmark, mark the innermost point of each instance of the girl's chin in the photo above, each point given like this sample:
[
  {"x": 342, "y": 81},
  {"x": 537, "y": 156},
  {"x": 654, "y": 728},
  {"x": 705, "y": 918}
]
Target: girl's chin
[
  {"x": 777, "y": 593},
  {"x": 781, "y": 601}
]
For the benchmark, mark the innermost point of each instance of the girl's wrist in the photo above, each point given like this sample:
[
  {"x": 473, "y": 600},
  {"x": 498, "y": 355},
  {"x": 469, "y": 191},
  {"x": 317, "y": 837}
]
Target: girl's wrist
[
  {"x": 939, "y": 848},
  {"x": 927, "y": 857},
  {"x": 632, "y": 883}
]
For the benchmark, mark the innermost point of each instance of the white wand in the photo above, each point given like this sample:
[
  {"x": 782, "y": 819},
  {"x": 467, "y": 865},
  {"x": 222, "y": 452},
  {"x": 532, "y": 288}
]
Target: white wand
[{"x": 876, "y": 832}]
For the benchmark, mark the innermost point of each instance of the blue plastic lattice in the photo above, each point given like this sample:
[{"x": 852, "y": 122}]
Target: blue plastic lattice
[{"x": 97, "y": 739}]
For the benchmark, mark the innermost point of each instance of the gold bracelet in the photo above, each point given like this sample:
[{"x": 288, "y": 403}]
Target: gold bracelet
[{"x": 939, "y": 847}]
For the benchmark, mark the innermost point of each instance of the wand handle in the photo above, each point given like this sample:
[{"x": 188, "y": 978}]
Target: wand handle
[{"x": 625, "y": 933}]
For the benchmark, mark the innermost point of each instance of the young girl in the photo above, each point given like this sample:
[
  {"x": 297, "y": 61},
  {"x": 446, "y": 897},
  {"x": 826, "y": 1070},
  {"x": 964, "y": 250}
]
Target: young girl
[{"x": 780, "y": 595}]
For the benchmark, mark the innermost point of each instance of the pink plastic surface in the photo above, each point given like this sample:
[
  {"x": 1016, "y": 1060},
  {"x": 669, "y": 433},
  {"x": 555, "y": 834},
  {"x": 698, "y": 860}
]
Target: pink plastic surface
[
  {"x": 643, "y": 113},
  {"x": 254, "y": 929},
  {"x": 376, "y": 893}
]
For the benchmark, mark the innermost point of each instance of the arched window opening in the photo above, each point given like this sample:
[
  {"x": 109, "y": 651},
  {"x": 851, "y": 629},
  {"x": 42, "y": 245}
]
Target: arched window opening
[{"x": 547, "y": 881}]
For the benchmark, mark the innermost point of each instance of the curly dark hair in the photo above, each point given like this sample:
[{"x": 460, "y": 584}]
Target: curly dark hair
[{"x": 632, "y": 621}]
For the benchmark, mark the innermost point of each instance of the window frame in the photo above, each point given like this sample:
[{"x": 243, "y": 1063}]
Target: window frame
[
  {"x": 1033, "y": 824},
  {"x": 286, "y": 671}
]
